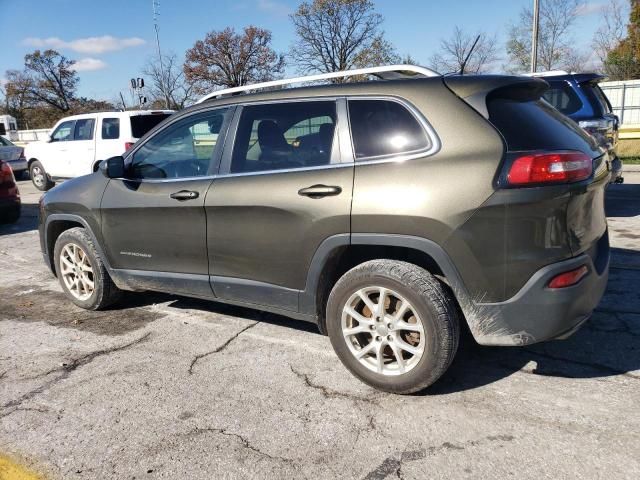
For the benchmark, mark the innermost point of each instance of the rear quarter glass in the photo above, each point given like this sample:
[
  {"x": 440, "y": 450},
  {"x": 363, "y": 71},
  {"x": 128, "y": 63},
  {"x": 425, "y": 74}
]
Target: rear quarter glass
[{"x": 141, "y": 124}]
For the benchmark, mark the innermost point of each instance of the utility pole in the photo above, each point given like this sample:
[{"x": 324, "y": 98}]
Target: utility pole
[
  {"x": 156, "y": 14},
  {"x": 534, "y": 37}
]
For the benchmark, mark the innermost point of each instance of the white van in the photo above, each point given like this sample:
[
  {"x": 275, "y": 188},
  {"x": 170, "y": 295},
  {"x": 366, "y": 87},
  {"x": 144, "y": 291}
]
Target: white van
[{"x": 79, "y": 143}]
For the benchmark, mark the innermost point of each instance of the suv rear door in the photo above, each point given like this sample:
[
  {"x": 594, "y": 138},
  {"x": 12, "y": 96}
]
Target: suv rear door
[
  {"x": 154, "y": 218},
  {"x": 283, "y": 189}
]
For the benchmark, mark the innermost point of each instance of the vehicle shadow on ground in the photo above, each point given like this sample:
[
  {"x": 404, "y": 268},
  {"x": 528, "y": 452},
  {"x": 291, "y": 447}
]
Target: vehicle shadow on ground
[
  {"x": 620, "y": 200},
  {"x": 28, "y": 221}
]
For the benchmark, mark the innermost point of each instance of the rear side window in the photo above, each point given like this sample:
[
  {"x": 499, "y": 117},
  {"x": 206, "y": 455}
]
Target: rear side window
[
  {"x": 563, "y": 97},
  {"x": 600, "y": 97},
  {"x": 84, "y": 129},
  {"x": 284, "y": 136},
  {"x": 383, "y": 128},
  {"x": 141, "y": 124},
  {"x": 536, "y": 125},
  {"x": 110, "y": 128}
]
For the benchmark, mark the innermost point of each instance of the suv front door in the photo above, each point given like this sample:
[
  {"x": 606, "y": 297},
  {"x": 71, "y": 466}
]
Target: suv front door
[
  {"x": 154, "y": 219},
  {"x": 283, "y": 189},
  {"x": 55, "y": 156}
]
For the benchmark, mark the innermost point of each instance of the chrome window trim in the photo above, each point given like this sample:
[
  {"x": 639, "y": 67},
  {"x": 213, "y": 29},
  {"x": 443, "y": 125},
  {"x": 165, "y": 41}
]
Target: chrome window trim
[{"x": 434, "y": 141}]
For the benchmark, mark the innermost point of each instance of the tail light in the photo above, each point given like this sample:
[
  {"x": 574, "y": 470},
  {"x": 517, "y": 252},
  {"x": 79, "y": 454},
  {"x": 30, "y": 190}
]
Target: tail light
[
  {"x": 128, "y": 145},
  {"x": 569, "y": 278},
  {"x": 549, "y": 168},
  {"x": 6, "y": 174}
]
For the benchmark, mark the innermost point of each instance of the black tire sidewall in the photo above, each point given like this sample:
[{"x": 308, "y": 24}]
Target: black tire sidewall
[
  {"x": 427, "y": 313},
  {"x": 78, "y": 237}
]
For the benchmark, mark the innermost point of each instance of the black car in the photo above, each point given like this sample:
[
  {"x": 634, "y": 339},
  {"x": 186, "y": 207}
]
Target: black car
[
  {"x": 386, "y": 212},
  {"x": 578, "y": 96}
]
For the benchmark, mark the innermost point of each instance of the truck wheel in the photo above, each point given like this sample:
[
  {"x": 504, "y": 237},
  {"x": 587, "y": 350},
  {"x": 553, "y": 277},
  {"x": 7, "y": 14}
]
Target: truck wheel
[
  {"x": 81, "y": 273},
  {"x": 39, "y": 176},
  {"x": 393, "y": 325}
]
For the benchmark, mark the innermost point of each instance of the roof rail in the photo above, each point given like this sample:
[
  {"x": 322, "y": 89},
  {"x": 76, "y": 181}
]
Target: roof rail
[
  {"x": 549, "y": 73},
  {"x": 387, "y": 71}
]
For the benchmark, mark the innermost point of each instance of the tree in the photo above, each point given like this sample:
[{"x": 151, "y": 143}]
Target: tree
[
  {"x": 227, "y": 59},
  {"x": 611, "y": 30},
  {"x": 557, "y": 18},
  {"x": 623, "y": 61},
  {"x": 53, "y": 81},
  {"x": 455, "y": 49},
  {"x": 334, "y": 35},
  {"x": 168, "y": 85},
  {"x": 15, "y": 93}
]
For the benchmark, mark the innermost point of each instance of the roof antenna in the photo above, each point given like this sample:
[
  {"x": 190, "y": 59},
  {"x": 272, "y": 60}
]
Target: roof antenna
[{"x": 464, "y": 64}]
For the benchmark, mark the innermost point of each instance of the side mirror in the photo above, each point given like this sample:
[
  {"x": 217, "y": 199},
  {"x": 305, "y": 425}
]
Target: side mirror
[{"x": 113, "y": 167}]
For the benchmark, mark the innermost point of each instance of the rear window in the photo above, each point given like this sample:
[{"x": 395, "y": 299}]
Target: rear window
[
  {"x": 563, "y": 97},
  {"x": 536, "y": 125},
  {"x": 141, "y": 124},
  {"x": 600, "y": 97}
]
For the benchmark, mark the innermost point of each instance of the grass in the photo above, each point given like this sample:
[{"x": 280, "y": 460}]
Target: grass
[{"x": 630, "y": 160}]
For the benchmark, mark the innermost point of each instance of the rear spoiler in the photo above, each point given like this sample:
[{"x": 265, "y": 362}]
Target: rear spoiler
[
  {"x": 589, "y": 77},
  {"x": 474, "y": 89}
]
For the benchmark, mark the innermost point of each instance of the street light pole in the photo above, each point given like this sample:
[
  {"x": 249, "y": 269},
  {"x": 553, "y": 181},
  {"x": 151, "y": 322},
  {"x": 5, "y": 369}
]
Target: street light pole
[{"x": 534, "y": 37}]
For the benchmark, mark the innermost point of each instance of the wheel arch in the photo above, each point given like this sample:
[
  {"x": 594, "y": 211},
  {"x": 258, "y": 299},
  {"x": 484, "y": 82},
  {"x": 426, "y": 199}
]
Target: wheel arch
[
  {"x": 55, "y": 225},
  {"x": 338, "y": 254}
]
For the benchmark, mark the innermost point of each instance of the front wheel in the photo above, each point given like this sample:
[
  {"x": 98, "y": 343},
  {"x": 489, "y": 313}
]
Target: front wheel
[
  {"x": 81, "y": 272},
  {"x": 393, "y": 325},
  {"x": 39, "y": 177}
]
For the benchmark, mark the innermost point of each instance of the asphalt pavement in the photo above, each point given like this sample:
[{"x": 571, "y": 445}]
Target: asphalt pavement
[{"x": 170, "y": 387}]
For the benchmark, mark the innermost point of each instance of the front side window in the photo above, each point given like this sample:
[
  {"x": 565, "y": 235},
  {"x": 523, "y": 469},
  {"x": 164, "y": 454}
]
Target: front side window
[
  {"x": 284, "y": 136},
  {"x": 84, "y": 129},
  {"x": 184, "y": 149},
  {"x": 383, "y": 128},
  {"x": 110, "y": 128},
  {"x": 64, "y": 132}
]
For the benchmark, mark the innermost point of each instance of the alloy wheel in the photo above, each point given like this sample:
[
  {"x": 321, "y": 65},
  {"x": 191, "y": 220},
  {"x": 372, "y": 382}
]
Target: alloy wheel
[
  {"x": 76, "y": 271},
  {"x": 383, "y": 330}
]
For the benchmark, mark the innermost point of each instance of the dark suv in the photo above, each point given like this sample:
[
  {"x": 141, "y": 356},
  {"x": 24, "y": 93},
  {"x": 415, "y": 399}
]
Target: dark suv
[
  {"x": 386, "y": 212},
  {"x": 579, "y": 97}
]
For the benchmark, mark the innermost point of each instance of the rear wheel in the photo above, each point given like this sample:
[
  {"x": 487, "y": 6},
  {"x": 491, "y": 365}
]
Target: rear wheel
[
  {"x": 82, "y": 273},
  {"x": 39, "y": 176},
  {"x": 393, "y": 325}
]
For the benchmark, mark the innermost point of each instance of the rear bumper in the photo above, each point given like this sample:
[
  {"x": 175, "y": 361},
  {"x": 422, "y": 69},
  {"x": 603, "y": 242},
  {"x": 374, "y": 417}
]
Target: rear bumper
[{"x": 537, "y": 313}]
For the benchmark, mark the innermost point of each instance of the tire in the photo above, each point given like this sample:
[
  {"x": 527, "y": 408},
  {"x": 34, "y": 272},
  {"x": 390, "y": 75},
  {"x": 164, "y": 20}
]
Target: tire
[
  {"x": 40, "y": 177},
  {"x": 10, "y": 215},
  {"x": 429, "y": 326},
  {"x": 104, "y": 292}
]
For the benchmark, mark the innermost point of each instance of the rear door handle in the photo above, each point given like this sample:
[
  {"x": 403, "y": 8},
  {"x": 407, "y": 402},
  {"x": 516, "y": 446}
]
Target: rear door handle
[
  {"x": 319, "y": 191},
  {"x": 183, "y": 195}
]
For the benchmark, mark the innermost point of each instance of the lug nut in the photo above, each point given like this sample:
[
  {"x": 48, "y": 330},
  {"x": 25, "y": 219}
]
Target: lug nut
[
  {"x": 378, "y": 339},
  {"x": 372, "y": 327},
  {"x": 389, "y": 337},
  {"x": 389, "y": 326}
]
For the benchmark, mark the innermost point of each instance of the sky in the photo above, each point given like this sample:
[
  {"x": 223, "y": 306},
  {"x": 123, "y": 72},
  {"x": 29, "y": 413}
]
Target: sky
[{"x": 111, "y": 40}]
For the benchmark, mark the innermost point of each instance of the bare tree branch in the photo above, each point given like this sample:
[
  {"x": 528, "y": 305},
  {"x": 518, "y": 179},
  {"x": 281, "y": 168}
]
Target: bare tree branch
[{"x": 168, "y": 85}]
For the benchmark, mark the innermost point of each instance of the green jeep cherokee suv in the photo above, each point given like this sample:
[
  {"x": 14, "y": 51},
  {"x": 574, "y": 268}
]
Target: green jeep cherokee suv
[{"x": 387, "y": 212}]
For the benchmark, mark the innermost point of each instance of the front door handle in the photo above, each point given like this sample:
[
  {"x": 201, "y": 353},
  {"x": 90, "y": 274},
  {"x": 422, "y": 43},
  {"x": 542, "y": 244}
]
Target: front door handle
[
  {"x": 183, "y": 195},
  {"x": 319, "y": 191}
]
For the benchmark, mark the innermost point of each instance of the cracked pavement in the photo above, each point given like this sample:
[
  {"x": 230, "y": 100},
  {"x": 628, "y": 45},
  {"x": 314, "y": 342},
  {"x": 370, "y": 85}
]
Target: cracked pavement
[{"x": 170, "y": 387}]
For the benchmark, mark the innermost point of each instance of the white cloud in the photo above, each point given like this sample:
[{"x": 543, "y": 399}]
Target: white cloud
[
  {"x": 89, "y": 45},
  {"x": 88, "y": 65},
  {"x": 590, "y": 8},
  {"x": 274, "y": 7}
]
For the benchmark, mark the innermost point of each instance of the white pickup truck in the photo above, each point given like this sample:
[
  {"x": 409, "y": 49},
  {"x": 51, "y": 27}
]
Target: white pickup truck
[{"x": 79, "y": 143}]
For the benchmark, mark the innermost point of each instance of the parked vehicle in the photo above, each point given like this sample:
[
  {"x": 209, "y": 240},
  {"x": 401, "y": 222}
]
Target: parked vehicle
[
  {"x": 9, "y": 195},
  {"x": 14, "y": 156},
  {"x": 579, "y": 97},
  {"x": 386, "y": 212},
  {"x": 79, "y": 143}
]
